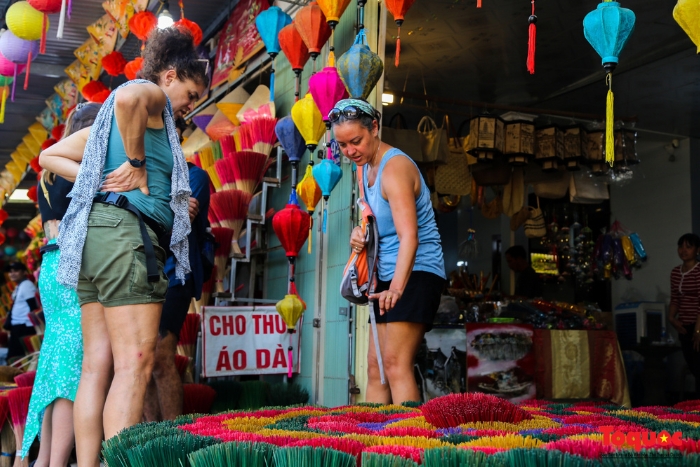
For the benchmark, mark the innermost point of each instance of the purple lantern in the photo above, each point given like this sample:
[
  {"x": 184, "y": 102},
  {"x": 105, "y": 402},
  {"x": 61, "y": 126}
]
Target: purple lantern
[{"x": 19, "y": 52}]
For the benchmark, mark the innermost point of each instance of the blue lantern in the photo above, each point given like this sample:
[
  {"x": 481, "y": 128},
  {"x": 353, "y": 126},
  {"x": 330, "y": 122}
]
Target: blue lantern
[
  {"x": 292, "y": 142},
  {"x": 269, "y": 23},
  {"x": 327, "y": 175},
  {"x": 607, "y": 29},
  {"x": 360, "y": 68}
]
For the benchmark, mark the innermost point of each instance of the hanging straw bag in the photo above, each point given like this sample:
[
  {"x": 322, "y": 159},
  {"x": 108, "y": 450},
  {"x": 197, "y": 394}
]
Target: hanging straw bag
[
  {"x": 397, "y": 135},
  {"x": 435, "y": 144},
  {"x": 554, "y": 188},
  {"x": 587, "y": 190},
  {"x": 535, "y": 226},
  {"x": 454, "y": 178}
]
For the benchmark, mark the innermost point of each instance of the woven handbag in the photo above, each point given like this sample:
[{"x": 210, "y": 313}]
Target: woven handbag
[
  {"x": 535, "y": 226},
  {"x": 454, "y": 178},
  {"x": 435, "y": 144}
]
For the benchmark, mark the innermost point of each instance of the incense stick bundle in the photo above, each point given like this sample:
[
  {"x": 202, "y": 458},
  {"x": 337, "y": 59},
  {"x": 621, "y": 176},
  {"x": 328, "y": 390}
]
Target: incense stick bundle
[
  {"x": 258, "y": 134},
  {"x": 226, "y": 173},
  {"x": 230, "y": 208},
  {"x": 249, "y": 168}
]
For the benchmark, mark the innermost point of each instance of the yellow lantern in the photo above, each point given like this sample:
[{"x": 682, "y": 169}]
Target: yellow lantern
[
  {"x": 309, "y": 121},
  {"x": 309, "y": 192},
  {"x": 291, "y": 309},
  {"x": 687, "y": 15},
  {"x": 25, "y": 22}
]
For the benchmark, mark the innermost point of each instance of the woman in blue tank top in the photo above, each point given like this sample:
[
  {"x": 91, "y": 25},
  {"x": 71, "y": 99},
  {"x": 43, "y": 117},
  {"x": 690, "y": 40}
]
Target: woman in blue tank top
[{"x": 411, "y": 267}]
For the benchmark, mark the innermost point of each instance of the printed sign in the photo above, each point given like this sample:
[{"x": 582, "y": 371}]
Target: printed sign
[{"x": 246, "y": 341}]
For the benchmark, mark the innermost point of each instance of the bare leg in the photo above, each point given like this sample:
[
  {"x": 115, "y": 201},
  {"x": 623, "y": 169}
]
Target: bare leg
[
  {"x": 167, "y": 378},
  {"x": 94, "y": 384},
  {"x": 399, "y": 347},
  {"x": 376, "y": 391},
  {"x": 133, "y": 332},
  {"x": 63, "y": 436},
  {"x": 44, "y": 456}
]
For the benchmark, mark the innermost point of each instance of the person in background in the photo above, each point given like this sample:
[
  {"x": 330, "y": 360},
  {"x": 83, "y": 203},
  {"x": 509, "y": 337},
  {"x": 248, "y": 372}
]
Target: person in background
[
  {"x": 61, "y": 356},
  {"x": 528, "y": 283},
  {"x": 411, "y": 267},
  {"x": 165, "y": 394},
  {"x": 684, "y": 310},
  {"x": 111, "y": 243},
  {"x": 23, "y": 302}
]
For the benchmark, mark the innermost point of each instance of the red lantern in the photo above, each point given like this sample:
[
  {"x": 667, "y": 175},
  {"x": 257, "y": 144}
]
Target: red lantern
[
  {"x": 114, "y": 63},
  {"x": 47, "y": 7},
  {"x": 398, "y": 9},
  {"x": 133, "y": 67},
  {"x": 100, "y": 97},
  {"x": 296, "y": 52},
  {"x": 48, "y": 143},
  {"x": 191, "y": 27},
  {"x": 32, "y": 194},
  {"x": 92, "y": 88},
  {"x": 313, "y": 28},
  {"x": 57, "y": 132},
  {"x": 291, "y": 225},
  {"x": 36, "y": 167},
  {"x": 142, "y": 24}
]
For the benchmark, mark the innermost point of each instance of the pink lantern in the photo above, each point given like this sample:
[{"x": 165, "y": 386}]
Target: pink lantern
[
  {"x": 327, "y": 88},
  {"x": 7, "y": 68},
  {"x": 19, "y": 52}
]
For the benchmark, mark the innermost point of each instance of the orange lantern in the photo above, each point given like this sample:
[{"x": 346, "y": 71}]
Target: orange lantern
[
  {"x": 190, "y": 26},
  {"x": 132, "y": 68},
  {"x": 398, "y": 9},
  {"x": 313, "y": 28},
  {"x": 296, "y": 52},
  {"x": 142, "y": 24},
  {"x": 333, "y": 9}
]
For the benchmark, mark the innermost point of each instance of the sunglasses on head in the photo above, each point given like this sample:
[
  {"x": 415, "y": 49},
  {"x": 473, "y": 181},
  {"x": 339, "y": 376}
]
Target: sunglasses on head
[{"x": 350, "y": 113}]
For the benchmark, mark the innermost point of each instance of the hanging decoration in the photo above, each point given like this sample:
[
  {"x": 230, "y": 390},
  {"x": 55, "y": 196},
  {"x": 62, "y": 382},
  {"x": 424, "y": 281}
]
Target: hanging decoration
[
  {"x": 309, "y": 121},
  {"x": 142, "y": 24},
  {"x": 290, "y": 308},
  {"x": 269, "y": 23},
  {"x": 532, "y": 35},
  {"x": 46, "y": 7},
  {"x": 19, "y": 52},
  {"x": 25, "y": 23},
  {"x": 310, "y": 193},
  {"x": 95, "y": 91},
  {"x": 398, "y": 9},
  {"x": 5, "y": 82},
  {"x": 114, "y": 63},
  {"x": 296, "y": 52},
  {"x": 132, "y": 68},
  {"x": 327, "y": 88},
  {"x": 360, "y": 68},
  {"x": 333, "y": 10},
  {"x": 292, "y": 142},
  {"x": 607, "y": 29},
  {"x": 327, "y": 175},
  {"x": 313, "y": 28},
  {"x": 687, "y": 15},
  {"x": 185, "y": 24}
]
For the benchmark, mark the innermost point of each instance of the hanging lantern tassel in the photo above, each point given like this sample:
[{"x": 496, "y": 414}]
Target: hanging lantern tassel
[
  {"x": 3, "y": 103},
  {"x": 398, "y": 44},
  {"x": 325, "y": 213},
  {"x": 14, "y": 82},
  {"x": 272, "y": 78},
  {"x": 311, "y": 227},
  {"x": 61, "y": 20},
  {"x": 26, "y": 72},
  {"x": 531, "y": 41},
  {"x": 609, "y": 123},
  {"x": 331, "y": 48},
  {"x": 478, "y": 3},
  {"x": 42, "y": 44}
]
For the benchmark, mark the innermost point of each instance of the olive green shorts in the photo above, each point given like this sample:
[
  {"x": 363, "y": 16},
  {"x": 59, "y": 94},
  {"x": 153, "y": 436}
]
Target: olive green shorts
[{"x": 113, "y": 270}]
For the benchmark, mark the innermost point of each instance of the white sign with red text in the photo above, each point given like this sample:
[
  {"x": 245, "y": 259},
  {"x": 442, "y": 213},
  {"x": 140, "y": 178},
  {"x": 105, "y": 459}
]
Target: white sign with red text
[{"x": 244, "y": 340}]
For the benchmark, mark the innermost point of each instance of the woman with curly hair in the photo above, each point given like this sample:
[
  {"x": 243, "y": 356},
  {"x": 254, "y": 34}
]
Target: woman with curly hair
[{"x": 130, "y": 200}]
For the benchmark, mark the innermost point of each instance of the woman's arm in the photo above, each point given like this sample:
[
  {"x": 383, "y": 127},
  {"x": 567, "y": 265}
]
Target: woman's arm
[
  {"x": 64, "y": 157},
  {"x": 399, "y": 183}
]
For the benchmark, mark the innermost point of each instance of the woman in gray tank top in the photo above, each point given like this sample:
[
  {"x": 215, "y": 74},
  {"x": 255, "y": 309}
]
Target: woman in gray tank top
[{"x": 411, "y": 267}]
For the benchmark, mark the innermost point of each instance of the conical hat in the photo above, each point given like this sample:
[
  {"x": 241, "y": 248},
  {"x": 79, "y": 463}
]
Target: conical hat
[
  {"x": 203, "y": 117},
  {"x": 220, "y": 126},
  {"x": 194, "y": 143},
  {"x": 232, "y": 103},
  {"x": 259, "y": 98}
]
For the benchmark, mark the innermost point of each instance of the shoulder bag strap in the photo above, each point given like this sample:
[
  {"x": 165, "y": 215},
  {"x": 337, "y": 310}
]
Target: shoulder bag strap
[{"x": 45, "y": 190}]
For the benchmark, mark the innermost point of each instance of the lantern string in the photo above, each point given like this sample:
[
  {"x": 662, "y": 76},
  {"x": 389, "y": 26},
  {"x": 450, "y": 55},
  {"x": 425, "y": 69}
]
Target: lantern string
[
  {"x": 70, "y": 8},
  {"x": 478, "y": 3},
  {"x": 331, "y": 49},
  {"x": 3, "y": 103},
  {"x": 398, "y": 47},
  {"x": 311, "y": 224},
  {"x": 325, "y": 213},
  {"x": 290, "y": 355},
  {"x": 609, "y": 124},
  {"x": 14, "y": 82},
  {"x": 272, "y": 81},
  {"x": 531, "y": 42},
  {"x": 42, "y": 44},
  {"x": 61, "y": 20},
  {"x": 26, "y": 72}
]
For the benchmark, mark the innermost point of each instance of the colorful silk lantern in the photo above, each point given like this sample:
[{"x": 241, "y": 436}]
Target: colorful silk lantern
[
  {"x": 296, "y": 52},
  {"x": 310, "y": 193},
  {"x": 46, "y": 7},
  {"x": 25, "y": 22},
  {"x": 292, "y": 142},
  {"x": 269, "y": 23},
  {"x": 607, "y": 29},
  {"x": 142, "y": 24},
  {"x": 290, "y": 225},
  {"x": 290, "y": 308},
  {"x": 327, "y": 88},
  {"x": 114, "y": 63},
  {"x": 360, "y": 68},
  {"x": 309, "y": 121},
  {"x": 313, "y": 28},
  {"x": 132, "y": 68},
  {"x": 333, "y": 10},
  {"x": 398, "y": 9},
  {"x": 19, "y": 52},
  {"x": 189, "y": 26},
  {"x": 327, "y": 175},
  {"x": 687, "y": 15}
]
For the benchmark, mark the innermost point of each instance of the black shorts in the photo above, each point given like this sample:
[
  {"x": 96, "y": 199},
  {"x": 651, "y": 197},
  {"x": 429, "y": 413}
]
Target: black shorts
[
  {"x": 419, "y": 302},
  {"x": 175, "y": 308}
]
